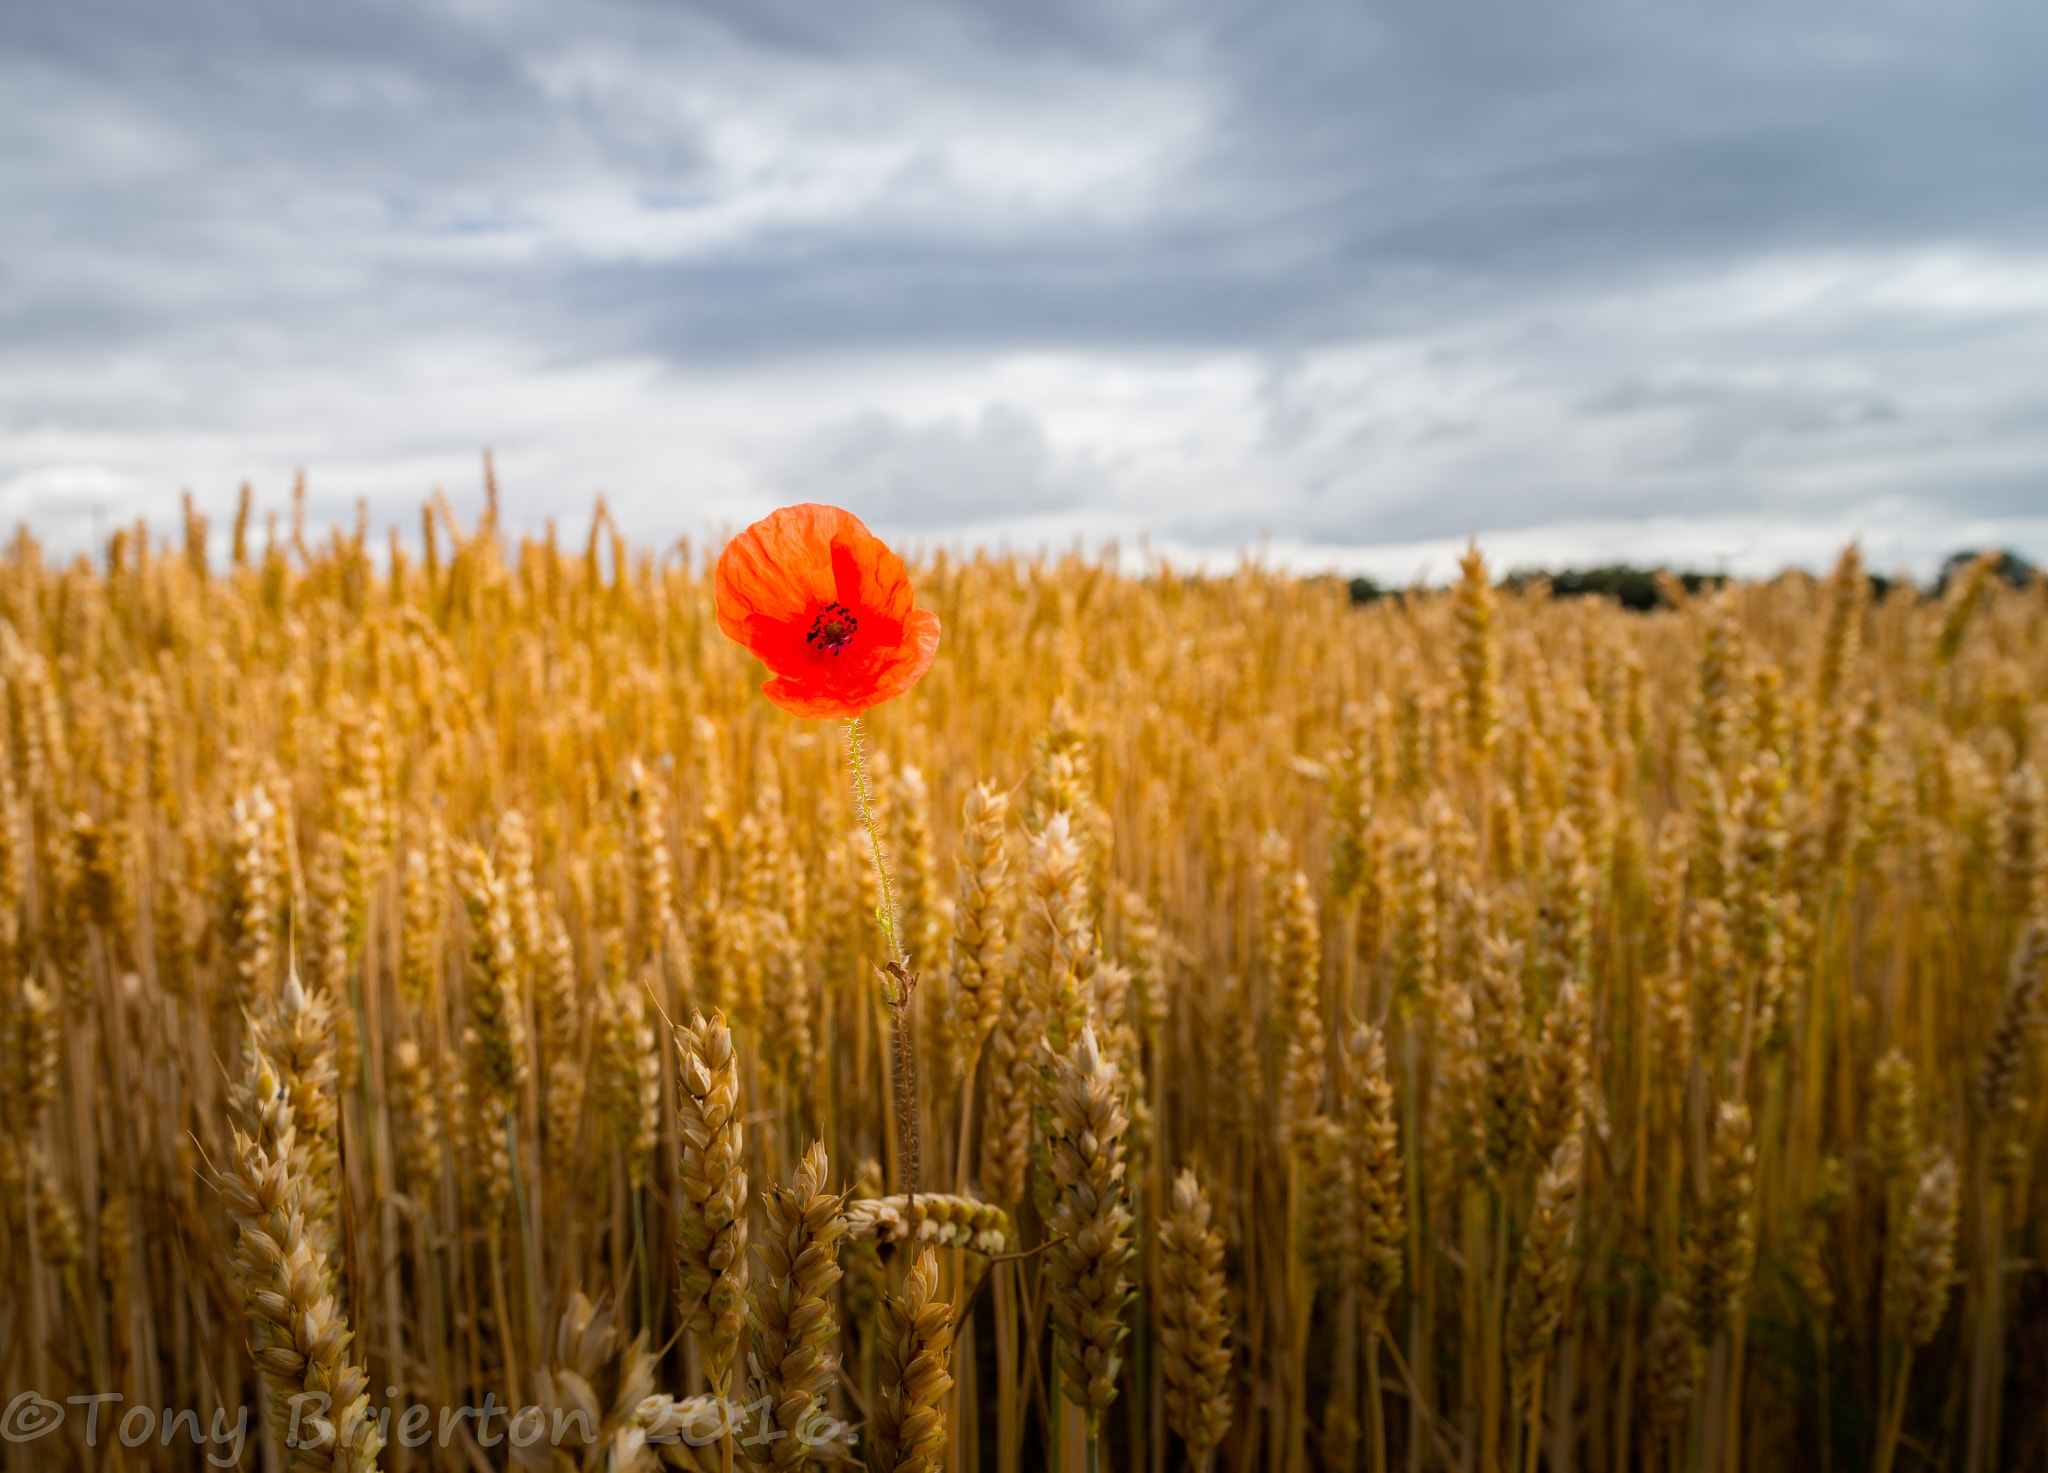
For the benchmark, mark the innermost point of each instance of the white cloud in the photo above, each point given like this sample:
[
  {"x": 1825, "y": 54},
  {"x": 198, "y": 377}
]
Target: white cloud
[
  {"x": 938, "y": 476},
  {"x": 1585, "y": 428}
]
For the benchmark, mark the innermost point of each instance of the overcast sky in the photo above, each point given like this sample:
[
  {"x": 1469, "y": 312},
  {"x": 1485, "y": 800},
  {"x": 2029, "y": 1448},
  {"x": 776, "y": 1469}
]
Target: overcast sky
[{"x": 1351, "y": 280}]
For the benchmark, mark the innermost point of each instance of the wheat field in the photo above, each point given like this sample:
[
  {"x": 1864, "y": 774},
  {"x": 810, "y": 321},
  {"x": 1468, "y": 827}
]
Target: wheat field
[{"x": 1473, "y": 1030}]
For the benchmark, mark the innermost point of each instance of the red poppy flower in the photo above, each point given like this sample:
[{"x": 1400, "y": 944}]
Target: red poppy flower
[{"x": 827, "y": 608}]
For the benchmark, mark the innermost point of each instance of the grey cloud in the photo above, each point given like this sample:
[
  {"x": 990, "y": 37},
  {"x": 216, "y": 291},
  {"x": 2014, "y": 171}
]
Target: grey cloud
[
  {"x": 1355, "y": 166},
  {"x": 219, "y": 211}
]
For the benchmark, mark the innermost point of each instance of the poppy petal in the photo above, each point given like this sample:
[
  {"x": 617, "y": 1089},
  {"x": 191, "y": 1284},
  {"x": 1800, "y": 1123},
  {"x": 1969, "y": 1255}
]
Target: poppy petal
[
  {"x": 776, "y": 580},
  {"x": 775, "y": 568}
]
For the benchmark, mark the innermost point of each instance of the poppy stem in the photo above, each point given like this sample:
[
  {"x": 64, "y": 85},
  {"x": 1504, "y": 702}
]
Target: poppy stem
[
  {"x": 885, "y": 914},
  {"x": 897, "y": 978}
]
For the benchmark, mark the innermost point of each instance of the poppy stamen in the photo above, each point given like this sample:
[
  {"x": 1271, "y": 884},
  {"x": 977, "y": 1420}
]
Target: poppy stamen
[{"x": 833, "y": 629}]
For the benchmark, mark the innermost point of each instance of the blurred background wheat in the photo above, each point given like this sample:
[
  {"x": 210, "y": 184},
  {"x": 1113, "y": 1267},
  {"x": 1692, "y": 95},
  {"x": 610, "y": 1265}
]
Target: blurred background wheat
[{"x": 1476, "y": 1029}]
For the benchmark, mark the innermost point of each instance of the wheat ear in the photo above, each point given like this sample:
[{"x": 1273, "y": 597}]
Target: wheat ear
[
  {"x": 1088, "y": 1262},
  {"x": 300, "y": 1338},
  {"x": 980, "y": 922},
  {"x": 917, "y": 1353},
  {"x": 711, "y": 1223},
  {"x": 1194, "y": 1321},
  {"x": 790, "y": 1309}
]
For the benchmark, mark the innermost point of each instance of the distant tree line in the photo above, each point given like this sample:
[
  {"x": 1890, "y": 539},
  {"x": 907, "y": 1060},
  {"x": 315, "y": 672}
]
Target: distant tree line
[{"x": 1642, "y": 589}]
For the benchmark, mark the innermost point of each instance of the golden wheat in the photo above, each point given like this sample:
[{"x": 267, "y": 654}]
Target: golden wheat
[{"x": 1605, "y": 1039}]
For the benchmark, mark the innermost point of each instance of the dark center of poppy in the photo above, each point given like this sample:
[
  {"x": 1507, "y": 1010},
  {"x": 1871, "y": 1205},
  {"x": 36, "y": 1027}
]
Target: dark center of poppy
[{"x": 833, "y": 629}]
